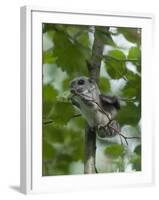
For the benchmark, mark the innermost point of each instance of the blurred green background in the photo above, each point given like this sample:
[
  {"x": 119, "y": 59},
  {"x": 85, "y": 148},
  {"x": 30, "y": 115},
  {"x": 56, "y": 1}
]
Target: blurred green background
[{"x": 66, "y": 49}]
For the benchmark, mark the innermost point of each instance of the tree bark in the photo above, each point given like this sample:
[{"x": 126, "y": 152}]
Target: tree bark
[
  {"x": 94, "y": 72},
  {"x": 97, "y": 52},
  {"x": 90, "y": 150}
]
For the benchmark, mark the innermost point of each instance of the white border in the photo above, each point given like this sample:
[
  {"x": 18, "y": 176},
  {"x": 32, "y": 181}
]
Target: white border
[{"x": 31, "y": 101}]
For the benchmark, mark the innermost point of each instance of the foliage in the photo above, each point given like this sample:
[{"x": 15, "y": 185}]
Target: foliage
[
  {"x": 65, "y": 58},
  {"x": 114, "y": 150}
]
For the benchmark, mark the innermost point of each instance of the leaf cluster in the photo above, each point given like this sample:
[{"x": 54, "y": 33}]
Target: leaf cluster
[{"x": 71, "y": 49}]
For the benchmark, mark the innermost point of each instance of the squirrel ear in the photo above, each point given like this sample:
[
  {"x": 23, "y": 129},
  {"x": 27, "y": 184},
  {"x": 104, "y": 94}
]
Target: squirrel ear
[{"x": 105, "y": 100}]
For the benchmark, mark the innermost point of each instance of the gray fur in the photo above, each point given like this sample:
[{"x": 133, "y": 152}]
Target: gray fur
[{"x": 97, "y": 109}]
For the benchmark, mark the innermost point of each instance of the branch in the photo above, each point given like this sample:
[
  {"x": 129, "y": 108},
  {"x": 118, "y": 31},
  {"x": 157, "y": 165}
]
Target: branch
[
  {"x": 92, "y": 100},
  {"x": 125, "y": 137},
  {"x": 121, "y": 135},
  {"x": 119, "y": 60},
  {"x": 97, "y": 52}
]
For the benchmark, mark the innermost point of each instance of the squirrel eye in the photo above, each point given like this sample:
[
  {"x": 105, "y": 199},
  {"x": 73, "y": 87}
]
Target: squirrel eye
[{"x": 81, "y": 82}]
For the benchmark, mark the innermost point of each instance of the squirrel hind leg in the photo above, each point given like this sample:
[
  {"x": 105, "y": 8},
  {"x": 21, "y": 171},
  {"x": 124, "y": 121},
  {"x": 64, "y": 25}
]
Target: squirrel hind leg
[{"x": 107, "y": 131}]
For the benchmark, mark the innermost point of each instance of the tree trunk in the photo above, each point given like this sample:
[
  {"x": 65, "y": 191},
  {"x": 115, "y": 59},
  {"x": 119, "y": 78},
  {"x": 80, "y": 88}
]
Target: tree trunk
[
  {"x": 90, "y": 150},
  {"x": 94, "y": 72}
]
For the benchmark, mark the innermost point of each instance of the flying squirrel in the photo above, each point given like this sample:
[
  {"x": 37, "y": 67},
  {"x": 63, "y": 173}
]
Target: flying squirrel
[{"x": 98, "y": 110}]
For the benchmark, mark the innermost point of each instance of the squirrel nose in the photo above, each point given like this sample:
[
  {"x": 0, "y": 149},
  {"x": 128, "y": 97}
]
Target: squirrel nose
[{"x": 80, "y": 89}]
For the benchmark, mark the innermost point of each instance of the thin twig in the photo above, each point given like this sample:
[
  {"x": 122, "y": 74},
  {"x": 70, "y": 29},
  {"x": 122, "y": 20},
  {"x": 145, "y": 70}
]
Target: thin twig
[
  {"x": 127, "y": 99},
  {"x": 120, "y": 60},
  {"x": 125, "y": 137},
  {"x": 84, "y": 95},
  {"x": 52, "y": 121},
  {"x": 121, "y": 139},
  {"x": 108, "y": 125},
  {"x": 48, "y": 122}
]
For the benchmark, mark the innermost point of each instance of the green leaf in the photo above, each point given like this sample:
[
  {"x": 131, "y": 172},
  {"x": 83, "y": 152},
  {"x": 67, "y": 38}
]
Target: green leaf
[
  {"x": 115, "y": 150},
  {"x": 53, "y": 134},
  {"x": 137, "y": 150},
  {"x": 79, "y": 34},
  {"x": 66, "y": 82},
  {"x": 68, "y": 146},
  {"x": 132, "y": 90},
  {"x": 70, "y": 57},
  {"x": 50, "y": 34},
  {"x": 73, "y": 30},
  {"x": 49, "y": 93},
  {"x": 131, "y": 34},
  {"x": 48, "y": 57},
  {"x": 83, "y": 39},
  {"x": 115, "y": 64},
  {"x": 104, "y": 84},
  {"x": 79, "y": 122},
  {"x": 48, "y": 151},
  {"x": 105, "y": 37},
  {"x": 129, "y": 114},
  {"x": 133, "y": 86},
  {"x": 49, "y": 98},
  {"x": 136, "y": 162},
  {"x": 64, "y": 97},
  {"x": 47, "y": 27},
  {"x": 134, "y": 53},
  {"x": 63, "y": 111}
]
